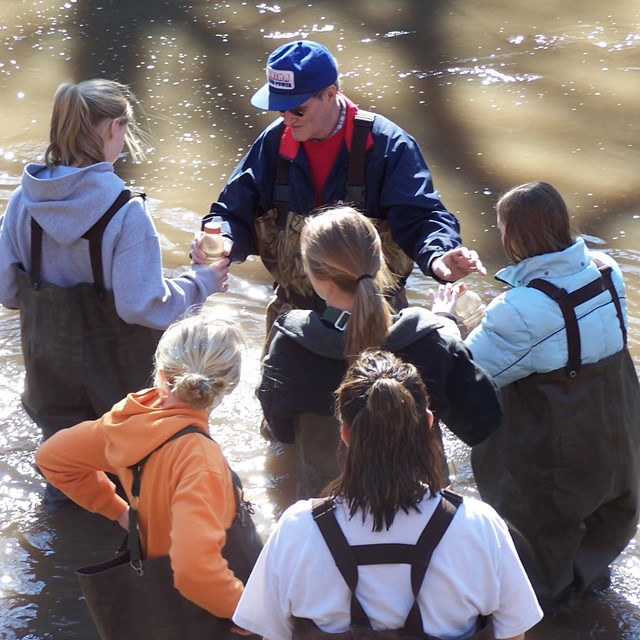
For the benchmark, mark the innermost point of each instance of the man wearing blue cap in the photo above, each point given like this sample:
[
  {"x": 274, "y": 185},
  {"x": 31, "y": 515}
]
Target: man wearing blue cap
[{"x": 324, "y": 151}]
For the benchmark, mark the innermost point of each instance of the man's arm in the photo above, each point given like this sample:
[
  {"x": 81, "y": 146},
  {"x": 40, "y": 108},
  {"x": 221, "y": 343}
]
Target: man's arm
[
  {"x": 400, "y": 189},
  {"x": 248, "y": 192}
]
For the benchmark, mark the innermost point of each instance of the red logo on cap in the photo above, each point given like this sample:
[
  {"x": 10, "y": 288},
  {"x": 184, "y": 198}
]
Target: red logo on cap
[{"x": 281, "y": 79}]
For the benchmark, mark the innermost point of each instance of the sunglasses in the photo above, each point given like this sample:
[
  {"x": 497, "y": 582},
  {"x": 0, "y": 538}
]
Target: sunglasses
[{"x": 299, "y": 112}]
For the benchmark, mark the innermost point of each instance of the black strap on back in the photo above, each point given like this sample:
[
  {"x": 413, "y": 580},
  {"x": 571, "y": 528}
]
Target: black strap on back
[
  {"x": 94, "y": 235},
  {"x": 136, "y": 469},
  {"x": 36, "y": 254},
  {"x": 243, "y": 508},
  {"x": 347, "y": 558},
  {"x": 281, "y": 189},
  {"x": 568, "y": 303},
  {"x": 355, "y": 189}
]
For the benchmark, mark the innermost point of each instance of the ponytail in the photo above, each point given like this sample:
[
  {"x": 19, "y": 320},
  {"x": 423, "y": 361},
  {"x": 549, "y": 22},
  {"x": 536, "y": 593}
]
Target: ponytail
[
  {"x": 393, "y": 455},
  {"x": 80, "y": 113},
  {"x": 343, "y": 246}
]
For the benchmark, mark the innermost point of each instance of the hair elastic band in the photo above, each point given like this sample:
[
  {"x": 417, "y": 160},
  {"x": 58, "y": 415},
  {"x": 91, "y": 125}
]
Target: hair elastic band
[{"x": 364, "y": 276}]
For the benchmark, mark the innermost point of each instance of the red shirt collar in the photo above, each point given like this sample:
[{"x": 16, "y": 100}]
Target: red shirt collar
[{"x": 289, "y": 146}]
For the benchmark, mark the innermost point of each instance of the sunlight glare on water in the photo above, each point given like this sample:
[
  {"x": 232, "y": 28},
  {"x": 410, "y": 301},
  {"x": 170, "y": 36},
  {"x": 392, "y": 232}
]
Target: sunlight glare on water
[{"x": 496, "y": 93}]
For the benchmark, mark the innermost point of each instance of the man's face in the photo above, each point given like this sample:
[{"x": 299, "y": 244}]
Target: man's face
[{"x": 314, "y": 118}]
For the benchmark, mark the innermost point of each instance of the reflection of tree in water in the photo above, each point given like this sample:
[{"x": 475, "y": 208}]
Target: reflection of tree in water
[
  {"x": 121, "y": 39},
  {"x": 113, "y": 39}
]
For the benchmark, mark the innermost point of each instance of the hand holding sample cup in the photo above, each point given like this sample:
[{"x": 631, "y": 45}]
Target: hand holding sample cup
[
  {"x": 209, "y": 245},
  {"x": 459, "y": 301}
]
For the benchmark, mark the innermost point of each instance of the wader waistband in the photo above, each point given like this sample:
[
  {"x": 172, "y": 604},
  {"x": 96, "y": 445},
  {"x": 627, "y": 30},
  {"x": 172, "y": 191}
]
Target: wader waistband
[{"x": 568, "y": 303}]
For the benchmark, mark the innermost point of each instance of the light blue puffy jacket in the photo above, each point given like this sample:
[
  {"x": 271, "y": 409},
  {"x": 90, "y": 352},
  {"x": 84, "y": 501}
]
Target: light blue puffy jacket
[{"x": 523, "y": 329}]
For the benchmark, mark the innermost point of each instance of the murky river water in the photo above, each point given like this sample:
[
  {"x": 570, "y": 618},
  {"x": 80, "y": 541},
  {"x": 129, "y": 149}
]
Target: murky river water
[{"x": 497, "y": 93}]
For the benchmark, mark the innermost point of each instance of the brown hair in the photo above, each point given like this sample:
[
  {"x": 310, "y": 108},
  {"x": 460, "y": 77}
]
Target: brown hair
[
  {"x": 393, "y": 454},
  {"x": 535, "y": 220},
  {"x": 342, "y": 245},
  {"x": 80, "y": 112}
]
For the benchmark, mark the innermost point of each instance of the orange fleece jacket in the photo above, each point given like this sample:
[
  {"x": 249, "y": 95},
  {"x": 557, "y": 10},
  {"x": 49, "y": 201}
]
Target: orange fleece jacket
[{"x": 186, "y": 497}]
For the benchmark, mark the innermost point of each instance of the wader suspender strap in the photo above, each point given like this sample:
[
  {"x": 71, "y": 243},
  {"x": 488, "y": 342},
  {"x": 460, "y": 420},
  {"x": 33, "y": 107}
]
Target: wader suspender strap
[
  {"x": 347, "y": 558},
  {"x": 355, "y": 189},
  {"x": 136, "y": 469},
  {"x": 94, "y": 235},
  {"x": 36, "y": 254},
  {"x": 355, "y": 192},
  {"x": 282, "y": 190},
  {"x": 568, "y": 303}
]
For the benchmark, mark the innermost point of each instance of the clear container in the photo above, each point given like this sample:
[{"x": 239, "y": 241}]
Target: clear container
[
  {"x": 212, "y": 242},
  {"x": 469, "y": 309}
]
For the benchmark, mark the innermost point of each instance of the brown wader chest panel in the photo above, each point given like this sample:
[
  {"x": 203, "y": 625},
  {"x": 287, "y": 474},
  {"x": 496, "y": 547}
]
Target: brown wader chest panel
[
  {"x": 80, "y": 356},
  {"x": 278, "y": 235},
  {"x": 562, "y": 468}
]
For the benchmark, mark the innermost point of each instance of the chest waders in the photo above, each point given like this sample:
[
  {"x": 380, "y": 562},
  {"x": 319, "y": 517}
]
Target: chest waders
[
  {"x": 348, "y": 558},
  {"x": 278, "y": 235},
  {"x": 562, "y": 469},
  {"x": 130, "y": 596},
  {"x": 80, "y": 356}
]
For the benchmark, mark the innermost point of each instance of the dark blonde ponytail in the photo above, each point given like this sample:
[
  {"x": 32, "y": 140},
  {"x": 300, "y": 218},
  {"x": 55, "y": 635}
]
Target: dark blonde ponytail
[
  {"x": 343, "y": 246},
  {"x": 80, "y": 113},
  {"x": 393, "y": 455}
]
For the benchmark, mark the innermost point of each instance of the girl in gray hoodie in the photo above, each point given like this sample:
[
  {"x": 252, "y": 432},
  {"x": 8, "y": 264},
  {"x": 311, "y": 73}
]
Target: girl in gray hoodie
[{"x": 80, "y": 258}]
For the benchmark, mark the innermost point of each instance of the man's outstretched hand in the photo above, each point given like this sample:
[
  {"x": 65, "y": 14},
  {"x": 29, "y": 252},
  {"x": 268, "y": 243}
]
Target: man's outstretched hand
[{"x": 456, "y": 264}]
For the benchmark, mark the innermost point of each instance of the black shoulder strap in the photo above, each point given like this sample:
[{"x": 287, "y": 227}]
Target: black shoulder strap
[
  {"x": 343, "y": 555},
  {"x": 347, "y": 558},
  {"x": 281, "y": 189},
  {"x": 355, "y": 188},
  {"x": 36, "y": 254},
  {"x": 94, "y": 236},
  {"x": 568, "y": 303},
  {"x": 355, "y": 192},
  {"x": 605, "y": 272},
  {"x": 136, "y": 469},
  {"x": 424, "y": 548}
]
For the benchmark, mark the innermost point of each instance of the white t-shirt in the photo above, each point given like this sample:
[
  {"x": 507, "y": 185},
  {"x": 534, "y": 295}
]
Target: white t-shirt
[{"x": 474, "y": 570}]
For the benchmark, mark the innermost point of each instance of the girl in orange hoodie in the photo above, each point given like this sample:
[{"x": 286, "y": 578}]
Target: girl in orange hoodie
[{"x": 187, "y": 499}]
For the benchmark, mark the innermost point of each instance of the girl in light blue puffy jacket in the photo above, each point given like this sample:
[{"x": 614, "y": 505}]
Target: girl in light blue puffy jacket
[{"x": 562, "y": 469}]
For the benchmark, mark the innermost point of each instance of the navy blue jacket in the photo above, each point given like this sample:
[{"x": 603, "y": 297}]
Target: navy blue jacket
[{"x": 398, "y": 187}]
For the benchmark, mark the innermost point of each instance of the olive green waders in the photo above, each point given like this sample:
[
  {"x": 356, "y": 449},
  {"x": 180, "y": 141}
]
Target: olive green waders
[
  {"x": 80, "y": 356},
  {"x": 562, "y": 469}
]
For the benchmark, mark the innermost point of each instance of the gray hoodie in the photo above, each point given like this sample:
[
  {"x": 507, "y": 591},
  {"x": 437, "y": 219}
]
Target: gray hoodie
[{"x": 66, "y": 202}]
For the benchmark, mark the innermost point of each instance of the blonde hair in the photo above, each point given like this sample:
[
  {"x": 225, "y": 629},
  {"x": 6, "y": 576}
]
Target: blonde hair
[
  {"x": 535, "y": 220},
  {"x": 343, "y": 246},
  {"x": 199, "y": 358},
  {"x": 80, "y": 111}
]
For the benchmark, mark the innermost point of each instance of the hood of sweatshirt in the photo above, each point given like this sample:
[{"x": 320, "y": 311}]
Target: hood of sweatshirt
[
  {"x": 139, "y": 423},
  {"x": 308, "y": 329},
  {"x": 67, "y": 201}
]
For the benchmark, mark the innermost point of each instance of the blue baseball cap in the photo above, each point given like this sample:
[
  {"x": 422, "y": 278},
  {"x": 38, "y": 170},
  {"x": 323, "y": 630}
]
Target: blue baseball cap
[{"x": 295, "y": 72}]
